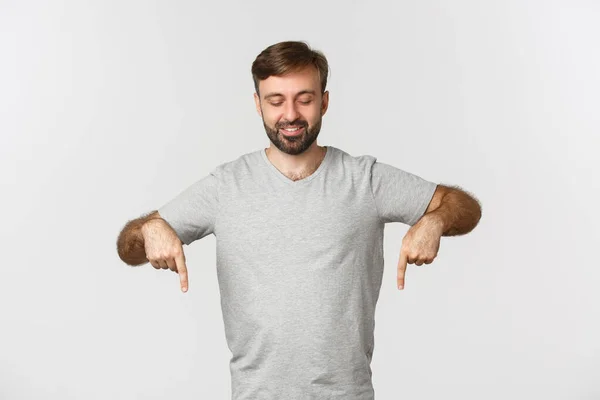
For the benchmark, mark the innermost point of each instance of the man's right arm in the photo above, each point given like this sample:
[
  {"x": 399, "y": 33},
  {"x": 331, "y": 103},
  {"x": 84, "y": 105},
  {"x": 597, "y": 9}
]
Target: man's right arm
[{"x": 130, "y": 243}]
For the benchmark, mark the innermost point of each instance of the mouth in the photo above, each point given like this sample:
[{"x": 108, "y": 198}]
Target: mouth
[{"x": 292, "y": 131}]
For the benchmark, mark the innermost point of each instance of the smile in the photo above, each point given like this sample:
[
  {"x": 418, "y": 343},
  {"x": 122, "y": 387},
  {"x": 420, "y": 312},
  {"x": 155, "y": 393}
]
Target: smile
[{"x": 292, "y": 131}]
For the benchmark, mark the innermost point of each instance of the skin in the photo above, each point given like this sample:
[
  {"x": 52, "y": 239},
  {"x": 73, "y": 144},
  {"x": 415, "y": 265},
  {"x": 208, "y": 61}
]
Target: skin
[
  {"x": 283, "y": 101},
  {"x": 299, "y": 102},
  {"x": 164, "y": 250},
  {"x": 296, "y": 100},
  {"x": 450, "y": 212},
  {"x": 151, "y": 239}
]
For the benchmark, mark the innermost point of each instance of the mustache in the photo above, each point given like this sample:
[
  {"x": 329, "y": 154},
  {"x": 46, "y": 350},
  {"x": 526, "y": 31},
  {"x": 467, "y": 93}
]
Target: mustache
[{"x": 295, "y": 123}]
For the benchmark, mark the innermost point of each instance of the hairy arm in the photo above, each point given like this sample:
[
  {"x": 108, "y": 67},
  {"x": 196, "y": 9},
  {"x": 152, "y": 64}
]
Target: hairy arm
[
  {"x": 130, "y": 243},
  {"x": 455, "y": 210}
]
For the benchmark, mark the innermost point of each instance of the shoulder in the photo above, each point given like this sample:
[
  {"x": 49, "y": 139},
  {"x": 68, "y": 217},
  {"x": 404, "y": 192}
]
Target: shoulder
[
  {"x": 360, "y": 163},
  {"x": 239, "y": 166}
]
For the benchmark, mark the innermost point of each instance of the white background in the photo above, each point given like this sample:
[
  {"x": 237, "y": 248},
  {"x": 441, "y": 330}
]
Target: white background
[{"x": 109, "y": 109}]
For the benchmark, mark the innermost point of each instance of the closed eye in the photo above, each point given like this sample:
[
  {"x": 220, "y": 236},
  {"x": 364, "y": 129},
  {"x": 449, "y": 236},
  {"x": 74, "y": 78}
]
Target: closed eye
[{"x": 302, "y": 102}]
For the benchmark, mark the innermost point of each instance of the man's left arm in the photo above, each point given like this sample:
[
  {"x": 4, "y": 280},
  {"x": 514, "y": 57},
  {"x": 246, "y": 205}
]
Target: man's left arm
[
  {"x": 454, "y": 210},
  {"x": 450, "y": 212}
]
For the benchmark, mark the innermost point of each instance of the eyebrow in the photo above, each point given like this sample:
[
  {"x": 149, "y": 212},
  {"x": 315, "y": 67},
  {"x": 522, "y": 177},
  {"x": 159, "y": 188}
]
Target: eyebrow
[{"x": 298, "y": 94}]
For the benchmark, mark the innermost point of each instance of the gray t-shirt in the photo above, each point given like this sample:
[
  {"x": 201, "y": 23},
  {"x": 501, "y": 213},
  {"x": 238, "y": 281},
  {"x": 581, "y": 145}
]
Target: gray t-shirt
[{"x": 299, "y": 266}]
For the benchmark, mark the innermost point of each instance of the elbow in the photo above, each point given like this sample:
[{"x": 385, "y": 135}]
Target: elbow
[
  {"x": 124, "y": 250},
  {"x": 476, "y": 213},
  {"x": 130, "y": 245}
]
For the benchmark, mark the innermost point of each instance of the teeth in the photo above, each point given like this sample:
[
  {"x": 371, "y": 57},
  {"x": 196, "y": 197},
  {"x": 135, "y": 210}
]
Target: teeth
[{"x": 291, "y": 130}]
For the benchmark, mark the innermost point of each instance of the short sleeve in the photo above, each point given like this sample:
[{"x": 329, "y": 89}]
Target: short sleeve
[
  {"x": 399, "y": 195},
  {"x": 192, "y": 214}
]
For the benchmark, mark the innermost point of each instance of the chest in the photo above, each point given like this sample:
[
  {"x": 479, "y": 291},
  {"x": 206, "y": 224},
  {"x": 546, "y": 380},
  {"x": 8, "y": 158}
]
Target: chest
[{"x": 301, "y": 225}]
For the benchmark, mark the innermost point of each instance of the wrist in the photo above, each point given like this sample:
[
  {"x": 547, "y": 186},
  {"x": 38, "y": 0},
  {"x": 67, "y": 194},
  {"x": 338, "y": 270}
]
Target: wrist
[
  {"x": 148, "y": 224},
  {"x": 435, "y": 220}
]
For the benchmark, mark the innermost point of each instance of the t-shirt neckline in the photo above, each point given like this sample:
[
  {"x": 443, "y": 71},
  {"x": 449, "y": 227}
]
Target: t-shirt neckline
[{"x": 302, "y": 181}]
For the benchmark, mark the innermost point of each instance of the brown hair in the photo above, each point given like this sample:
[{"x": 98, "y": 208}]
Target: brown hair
[{"x": 289, "y": 56}]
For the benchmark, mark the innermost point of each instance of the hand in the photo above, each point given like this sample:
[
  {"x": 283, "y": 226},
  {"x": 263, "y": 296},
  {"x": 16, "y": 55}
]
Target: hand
[
  {"x": 164, "y": 250},
  {"x": 420, "y": 245}
]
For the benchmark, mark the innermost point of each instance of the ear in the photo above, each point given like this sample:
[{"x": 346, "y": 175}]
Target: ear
[
  {"x": 325, "y": 102},
  {"x": 257, "y": 103}
]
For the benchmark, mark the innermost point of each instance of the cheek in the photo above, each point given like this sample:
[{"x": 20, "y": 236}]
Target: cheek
[
  {"x": 313, "y": 116},
  {"x": 270, "y": 118}
]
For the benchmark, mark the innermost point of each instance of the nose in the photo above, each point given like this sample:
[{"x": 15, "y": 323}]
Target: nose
[{"x": 290, "y": 113}]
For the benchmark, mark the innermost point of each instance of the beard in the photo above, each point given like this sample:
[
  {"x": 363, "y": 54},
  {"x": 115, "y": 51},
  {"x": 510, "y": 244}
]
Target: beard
[{"x": 293, "y": 145}]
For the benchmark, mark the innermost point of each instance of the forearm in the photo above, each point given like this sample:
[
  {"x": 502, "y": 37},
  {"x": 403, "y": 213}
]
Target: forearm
[
  {"x": 458, "y": 214},
  {"x": 130, "y": 243}
]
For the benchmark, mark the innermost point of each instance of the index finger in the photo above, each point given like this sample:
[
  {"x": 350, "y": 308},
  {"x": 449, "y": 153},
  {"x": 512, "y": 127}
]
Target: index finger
[
  {"x": 402, "y": 269},
  {"x": 182, "y": 271}
]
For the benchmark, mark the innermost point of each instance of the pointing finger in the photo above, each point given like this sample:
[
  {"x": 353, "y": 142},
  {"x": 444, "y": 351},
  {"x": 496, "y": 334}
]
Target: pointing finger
[
  {"x": 402, "y": 269},
  {"x": 182, "y": 271}
]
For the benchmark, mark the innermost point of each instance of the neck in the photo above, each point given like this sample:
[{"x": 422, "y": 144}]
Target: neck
[{"x": 297, "y": 166}]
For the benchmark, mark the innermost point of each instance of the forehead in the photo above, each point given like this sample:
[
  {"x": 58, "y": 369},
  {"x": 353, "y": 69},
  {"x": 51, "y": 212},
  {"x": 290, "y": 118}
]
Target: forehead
[{"x": 291, "y": 83}]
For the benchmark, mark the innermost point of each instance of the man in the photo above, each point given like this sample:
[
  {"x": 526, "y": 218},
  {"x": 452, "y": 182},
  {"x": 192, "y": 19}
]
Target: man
[{"x": 299, "y": 230}]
